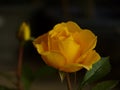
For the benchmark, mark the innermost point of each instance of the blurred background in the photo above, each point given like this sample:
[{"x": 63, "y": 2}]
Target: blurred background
[{"x": 100, "y": 16}]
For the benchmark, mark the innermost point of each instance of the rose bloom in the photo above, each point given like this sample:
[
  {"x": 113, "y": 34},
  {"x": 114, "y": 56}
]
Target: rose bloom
[{"x": 67, "y": 47}]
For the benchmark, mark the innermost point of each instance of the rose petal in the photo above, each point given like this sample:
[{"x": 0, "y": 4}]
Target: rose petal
[
  {"x": 57, "y": 29},
  {"x": 71, "y": 67},
  {"x": 41, "y": 43},
  {"x": 86, "y": 39},
  {"x": 55, "y": 37},
  {"x": 89, "y": 59},
  {"x": 52, "y": 44},
  {"x": 53, "y": 59},
  {"x": 70, "y": 26},
  {"x": 73, "y": 27},
  {"x": 69, "y": 49}
]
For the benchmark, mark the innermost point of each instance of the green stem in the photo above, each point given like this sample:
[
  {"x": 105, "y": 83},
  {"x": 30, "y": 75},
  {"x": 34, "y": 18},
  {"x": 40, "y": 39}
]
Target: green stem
[
  {"x": 75, "y": 78},
  {"x": 19, "y": 67},
  {"x": 69, "y": 86}
]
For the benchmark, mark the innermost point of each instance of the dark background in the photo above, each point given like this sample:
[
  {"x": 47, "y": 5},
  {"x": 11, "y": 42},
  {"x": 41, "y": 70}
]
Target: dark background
[{"x": 100, "y": 16}]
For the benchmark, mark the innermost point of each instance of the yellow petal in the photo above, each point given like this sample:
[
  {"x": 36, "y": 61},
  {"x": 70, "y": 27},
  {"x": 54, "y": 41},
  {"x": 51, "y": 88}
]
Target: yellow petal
[
  {"x": 69, "y": 49},
  {"x": 71, "y": 68},
  {"x": 52, "y": 44},
  {"x": 41, "y": 43},
  {"x": 70, "y": 26},
  {"x": 55, "y": 37},
  {"x": 57, "y": 28},
  {"x": 53, "y": 59},
  {"x": 90, "y": 58},
  {"x": 73, "y": 27},
  {"x": 86, "y": 39}
]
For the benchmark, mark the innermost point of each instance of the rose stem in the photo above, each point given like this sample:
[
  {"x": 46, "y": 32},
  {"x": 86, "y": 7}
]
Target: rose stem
[
  {"x": 19, "y": 67},
  {"x": 75, "y": 78},
  {"x": 69, "y": 86}
]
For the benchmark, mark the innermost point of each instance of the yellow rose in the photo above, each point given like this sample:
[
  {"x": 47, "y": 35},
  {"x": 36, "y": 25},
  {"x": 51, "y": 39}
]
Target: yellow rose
[
  {"x": 67, "y": 47},
  {"x": 24, "y": 32}
]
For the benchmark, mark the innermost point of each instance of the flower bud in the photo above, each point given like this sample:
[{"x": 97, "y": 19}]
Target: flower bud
[{"x": 24, "y": 33}]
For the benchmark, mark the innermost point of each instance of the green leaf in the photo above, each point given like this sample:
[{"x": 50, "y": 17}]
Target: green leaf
[
  {"x": 99, "y": 70},
  {"x": 27, "y": 77},
  {"x": 27, "y": 72},
  {"x": 26, "y": 83},
  {"x": 106, "y": 85}
]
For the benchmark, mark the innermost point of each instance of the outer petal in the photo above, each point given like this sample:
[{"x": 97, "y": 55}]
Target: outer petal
[
  {"x": 89, "y": 59},
  {"x": 53, "y": 59},
  {"x": 73, "y": 27},
  {"x": 57, "y": 28},
  {"x": 70, "y": 26},
  {"x": 71, "y": 67},
  {"x": 41, "y": 43},
  {"x": 86, "y": 39}
]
